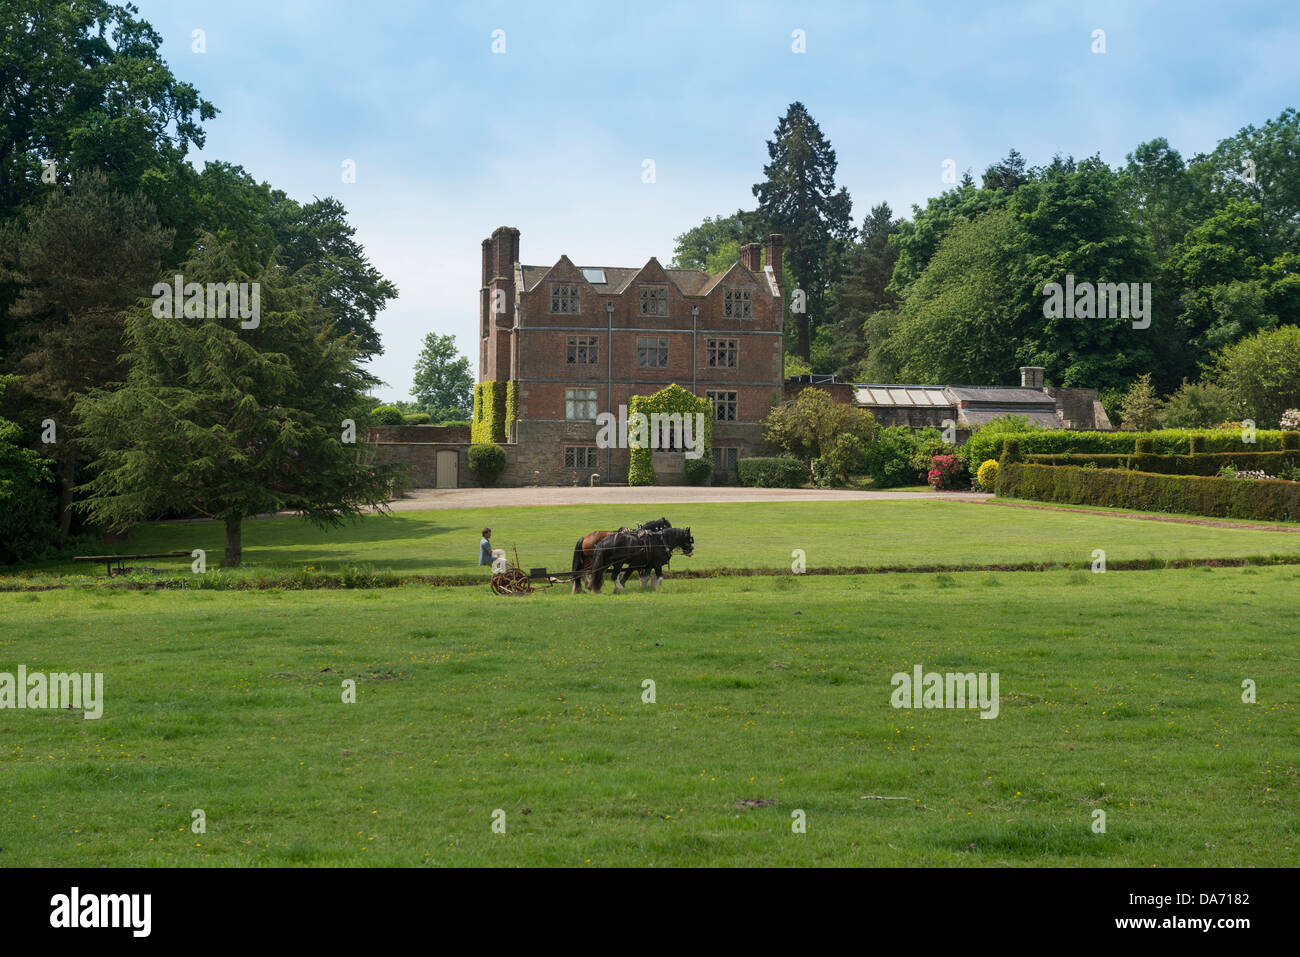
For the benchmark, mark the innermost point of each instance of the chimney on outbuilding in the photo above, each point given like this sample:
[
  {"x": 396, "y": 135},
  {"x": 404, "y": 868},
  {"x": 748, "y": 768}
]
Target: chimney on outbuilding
[{"x": 1031, "y": 377}]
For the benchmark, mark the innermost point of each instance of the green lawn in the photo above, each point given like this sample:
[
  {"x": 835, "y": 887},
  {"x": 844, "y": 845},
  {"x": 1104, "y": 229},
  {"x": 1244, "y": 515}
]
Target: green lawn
[
  {"x": 743, "y": 535},
  {"x": 1119, "y": 692}
]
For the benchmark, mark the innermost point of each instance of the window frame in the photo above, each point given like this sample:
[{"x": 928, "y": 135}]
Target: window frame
[
  {"x": 714, "y": 348},
  {"x": 573, "y": 349},
  {"x": 569, "y": 295},
  {"x": 718, "y": 398},
  {"x": 643, "y": 350},
  {"x": 648, "y": 294},
  {"x": 744, "y": 296},
  {"x": 574, "y": 403},
  {"x": 590, "y": 453}
]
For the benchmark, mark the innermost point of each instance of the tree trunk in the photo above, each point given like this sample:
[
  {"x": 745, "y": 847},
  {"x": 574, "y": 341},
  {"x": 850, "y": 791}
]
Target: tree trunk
[
  {"x": 234, "y": 542},
  {"x": 804, "y": 341},
  {"x": 67, "y": 479}
]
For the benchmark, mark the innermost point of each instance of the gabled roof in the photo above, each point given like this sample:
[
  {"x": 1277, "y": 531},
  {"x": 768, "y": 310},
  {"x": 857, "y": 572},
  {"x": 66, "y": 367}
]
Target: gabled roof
[{"x": 689, "y": 282}]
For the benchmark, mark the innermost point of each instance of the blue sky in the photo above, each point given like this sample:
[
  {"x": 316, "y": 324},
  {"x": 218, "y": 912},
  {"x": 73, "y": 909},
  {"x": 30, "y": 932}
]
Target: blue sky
[{"x": 451, "y": 140}]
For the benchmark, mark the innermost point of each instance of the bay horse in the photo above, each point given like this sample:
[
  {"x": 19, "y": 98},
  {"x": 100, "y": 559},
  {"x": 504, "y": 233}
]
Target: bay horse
[
  {"x": 585, "y": 549},
  {"x": 622, "y": 553}
]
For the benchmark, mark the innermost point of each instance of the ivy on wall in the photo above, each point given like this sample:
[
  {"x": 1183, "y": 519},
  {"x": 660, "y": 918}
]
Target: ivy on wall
[
  {"x": 512, "y": 403},
  {"x": 670, "y": 399},
  {"x": 490, "y": 412}
]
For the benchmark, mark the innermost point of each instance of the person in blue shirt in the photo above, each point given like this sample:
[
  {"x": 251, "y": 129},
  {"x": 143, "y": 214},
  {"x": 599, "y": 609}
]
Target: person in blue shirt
[{"x": 485, "y": 548}]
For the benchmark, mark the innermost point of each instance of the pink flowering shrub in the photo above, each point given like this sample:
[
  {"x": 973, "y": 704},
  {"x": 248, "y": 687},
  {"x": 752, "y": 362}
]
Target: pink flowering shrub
[{"x": 948, "y": 472}]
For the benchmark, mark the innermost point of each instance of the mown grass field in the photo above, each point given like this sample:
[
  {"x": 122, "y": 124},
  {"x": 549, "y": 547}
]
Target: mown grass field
[
  {"x": 741, "y": 536},
  {"x": 1119, "y": 692}
]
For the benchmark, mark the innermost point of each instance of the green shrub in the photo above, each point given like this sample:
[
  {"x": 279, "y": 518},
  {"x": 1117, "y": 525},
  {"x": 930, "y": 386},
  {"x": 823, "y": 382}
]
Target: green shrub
[
  {"x": 456, "y": 424},
  {"x": 698, "y": 471},
  {"x": 386, "y": 415},
  {"x": 1291, "y": 441},
  {"x": 926, "y": 444},
  {"x": 782, "y": 472},
  {"x": 415, "y": 418},
  {"x": 29, "y": 504},
  {"x": 1011, "y": 450},
  {"x": 1196, "y": 444},
  {"x": 821, "y": 474},
  {"x": 1253, "y": 499},
  {"x": 487, "y": 461},
  {"x": 1144, "y": 445},
  {"x": 889, "y": 457}
]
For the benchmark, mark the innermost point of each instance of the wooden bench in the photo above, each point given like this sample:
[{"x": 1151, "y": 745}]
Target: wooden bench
[{"x": 111, "y": 560}]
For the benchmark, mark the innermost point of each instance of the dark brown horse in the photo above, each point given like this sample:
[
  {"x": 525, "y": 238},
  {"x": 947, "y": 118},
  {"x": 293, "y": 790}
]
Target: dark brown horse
[
  {"x": 585, "y": 550},
  {"x": 621, "y": 554}
]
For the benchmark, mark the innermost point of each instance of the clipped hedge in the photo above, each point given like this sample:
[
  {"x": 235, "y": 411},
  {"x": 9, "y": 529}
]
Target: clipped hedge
[
  {"x": 1256, "y": 499},
  {"x": 781, "y": 472},
  {"x": 1087, "y": 458},
  {"x": 698, "y": 471},
  {"x": 489, "y": 423},
  {"x": 986, "y": 444},
  {"x": 1208, "y": 463}
]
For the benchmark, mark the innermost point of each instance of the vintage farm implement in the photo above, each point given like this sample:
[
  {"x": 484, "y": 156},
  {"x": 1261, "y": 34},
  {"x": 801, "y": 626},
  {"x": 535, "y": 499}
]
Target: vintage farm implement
[{"x": 513, "y": 580}]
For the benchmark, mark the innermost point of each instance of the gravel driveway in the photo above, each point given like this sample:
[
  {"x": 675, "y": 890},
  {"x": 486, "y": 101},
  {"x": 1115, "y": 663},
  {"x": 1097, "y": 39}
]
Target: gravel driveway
[{"x": 421, "y": 499}]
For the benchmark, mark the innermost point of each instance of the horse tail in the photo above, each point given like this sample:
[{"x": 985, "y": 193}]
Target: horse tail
[{"x": 579, "y": 564}]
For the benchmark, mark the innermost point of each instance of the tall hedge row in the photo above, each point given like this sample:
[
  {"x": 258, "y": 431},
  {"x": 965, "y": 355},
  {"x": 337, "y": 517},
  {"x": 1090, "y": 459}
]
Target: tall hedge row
[
  {"x": 1208, "y": 463},
  {"x": 1256, "y": 499},
  {"x": 986, "y": 444}
]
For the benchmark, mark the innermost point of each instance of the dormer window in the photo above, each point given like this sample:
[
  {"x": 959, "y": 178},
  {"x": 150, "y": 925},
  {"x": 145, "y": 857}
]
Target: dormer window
[
  {"x": 738, "y": 303},
  {"x": 564, "y": 300},
  {"x": 652, "y": 301}
]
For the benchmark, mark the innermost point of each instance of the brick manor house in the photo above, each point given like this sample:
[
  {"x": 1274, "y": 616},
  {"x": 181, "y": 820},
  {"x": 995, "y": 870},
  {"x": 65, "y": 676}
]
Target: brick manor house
[{"x": 573, "y": 341}]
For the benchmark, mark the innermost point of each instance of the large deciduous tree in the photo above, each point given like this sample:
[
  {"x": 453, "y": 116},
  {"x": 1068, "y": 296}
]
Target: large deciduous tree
[
  {"x": 443, "y": 384},
  {"x": 82, "y": 85}
]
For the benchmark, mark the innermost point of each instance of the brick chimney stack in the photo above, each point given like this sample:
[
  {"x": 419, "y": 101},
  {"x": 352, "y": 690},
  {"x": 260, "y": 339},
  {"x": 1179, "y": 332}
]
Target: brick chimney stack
[
  {"x": 773, "y": 246},
  {"x": 751, "y": 255}
]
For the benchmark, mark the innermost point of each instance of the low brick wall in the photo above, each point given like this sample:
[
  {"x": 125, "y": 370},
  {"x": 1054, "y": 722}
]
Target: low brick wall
[{"x": 421, "y": 434}]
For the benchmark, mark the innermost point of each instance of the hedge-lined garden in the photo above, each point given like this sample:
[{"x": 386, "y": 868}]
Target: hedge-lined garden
[
  {"x": 1256, "y": 499},
  {"x": 987, "y": 442},
  {"x": 1208, "y": 463}
]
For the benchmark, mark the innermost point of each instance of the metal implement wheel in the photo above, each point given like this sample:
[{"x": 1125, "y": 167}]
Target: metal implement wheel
[{"x": 512, "y": 581}]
